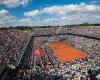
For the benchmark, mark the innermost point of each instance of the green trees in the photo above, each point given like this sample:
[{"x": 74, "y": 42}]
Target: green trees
[
  {"x": 18, "y": 27},
  {"x": 87, "y": 24}
]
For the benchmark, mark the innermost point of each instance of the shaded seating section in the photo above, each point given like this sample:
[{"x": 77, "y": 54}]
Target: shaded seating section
[{"x": 3, "y": 71}]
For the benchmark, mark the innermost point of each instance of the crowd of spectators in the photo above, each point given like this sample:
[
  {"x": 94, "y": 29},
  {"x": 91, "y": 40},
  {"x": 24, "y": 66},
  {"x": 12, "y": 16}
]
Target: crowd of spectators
[
  {"x": 91, "y": 31},
  {"x": 11, "y": 43},
  {"x": 48, "y": 31},
  {"x": 24, "y": 71},
  {"x": 81, "y": 69}
]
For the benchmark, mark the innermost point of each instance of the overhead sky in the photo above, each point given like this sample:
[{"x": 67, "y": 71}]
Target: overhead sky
[{"x": 48, "y": 12}]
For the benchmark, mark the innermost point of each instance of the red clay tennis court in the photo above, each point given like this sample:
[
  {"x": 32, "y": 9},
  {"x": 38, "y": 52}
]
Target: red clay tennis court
[{"x": 66, "y": 52}]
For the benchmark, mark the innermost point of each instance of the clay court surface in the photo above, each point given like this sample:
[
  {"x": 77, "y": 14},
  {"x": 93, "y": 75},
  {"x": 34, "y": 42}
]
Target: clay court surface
[{"x": 66, "y": 52}]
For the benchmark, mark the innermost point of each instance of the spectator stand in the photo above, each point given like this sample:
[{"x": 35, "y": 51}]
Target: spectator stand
[{"x": 21, "y": 53}]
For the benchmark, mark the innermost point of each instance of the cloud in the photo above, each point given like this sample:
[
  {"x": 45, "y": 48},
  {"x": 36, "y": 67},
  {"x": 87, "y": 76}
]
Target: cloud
[
  {"x": 5, "y": 18},
  {"x": 50, "y": 21},
  {"x": 71, "y": 9},
  {"x": 32, "y": 13},
  {"x": 24, "y": 22},
  {"x": 95, "y": 1},
  {"x": 69, "y": 14},
  {"x": 14, "y": 3},
  {"x": 73, "y": 13},
  {"x": 3, "y": 12},
  {"x": 55, "y": 15}
]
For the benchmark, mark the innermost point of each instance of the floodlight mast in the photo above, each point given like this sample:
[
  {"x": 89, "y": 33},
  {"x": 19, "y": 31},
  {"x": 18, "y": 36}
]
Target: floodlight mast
[{"x": 52, "y": 37}]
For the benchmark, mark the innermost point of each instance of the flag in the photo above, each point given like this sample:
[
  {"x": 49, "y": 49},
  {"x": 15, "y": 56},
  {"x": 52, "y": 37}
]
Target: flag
[{"x": 38, "y": 53}]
